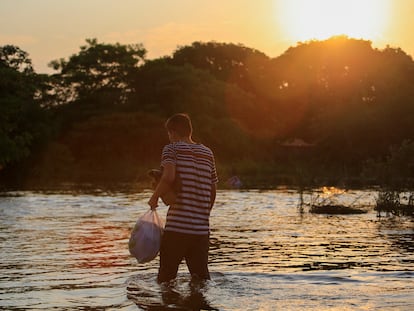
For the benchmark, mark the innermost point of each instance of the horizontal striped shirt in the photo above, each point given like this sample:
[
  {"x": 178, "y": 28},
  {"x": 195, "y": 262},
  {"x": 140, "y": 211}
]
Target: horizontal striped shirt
[{"x": 195, "y": 165}]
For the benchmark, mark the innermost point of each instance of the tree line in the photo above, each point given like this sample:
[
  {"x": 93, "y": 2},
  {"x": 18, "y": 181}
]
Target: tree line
[{"x": 327, "y": 111}]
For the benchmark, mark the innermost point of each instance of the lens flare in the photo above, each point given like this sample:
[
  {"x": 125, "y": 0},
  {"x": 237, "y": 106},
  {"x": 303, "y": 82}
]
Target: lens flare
[{"x": 303, "y": 20}]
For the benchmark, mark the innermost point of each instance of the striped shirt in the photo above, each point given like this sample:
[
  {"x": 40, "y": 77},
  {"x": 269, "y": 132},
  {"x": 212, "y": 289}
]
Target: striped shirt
[{"x": 195, "y": 165}]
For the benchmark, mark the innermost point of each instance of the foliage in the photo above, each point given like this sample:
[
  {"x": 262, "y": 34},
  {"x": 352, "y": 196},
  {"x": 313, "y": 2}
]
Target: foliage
[
  {"x": 346, "y": 101},
  {"x": 396, "y": 170},
  {"x": 12, "y": 57},
  {"x": 341, "y": 95},
  {"x": 395, "y": 175},
  {"x": 244, "y": 71},
  {"x": 163, "y": 89},
  {"x": 23, "y": 123},
  {"x": 390, "y": 202},
  {"x": 226, "y": 61},
  {"x": 99, "y": 73}
]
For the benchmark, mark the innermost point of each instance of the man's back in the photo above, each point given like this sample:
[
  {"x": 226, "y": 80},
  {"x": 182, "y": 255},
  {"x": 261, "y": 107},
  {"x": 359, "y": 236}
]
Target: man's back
[{"x": 195, "y": 166}]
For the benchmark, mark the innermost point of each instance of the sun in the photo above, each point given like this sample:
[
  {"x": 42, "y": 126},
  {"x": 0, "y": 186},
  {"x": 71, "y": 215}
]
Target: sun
[{"x": 303, "y": 20}]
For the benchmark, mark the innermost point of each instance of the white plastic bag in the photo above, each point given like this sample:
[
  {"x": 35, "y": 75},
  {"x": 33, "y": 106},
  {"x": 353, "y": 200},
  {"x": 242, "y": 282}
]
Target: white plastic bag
[{"x": 145, "y": 241}]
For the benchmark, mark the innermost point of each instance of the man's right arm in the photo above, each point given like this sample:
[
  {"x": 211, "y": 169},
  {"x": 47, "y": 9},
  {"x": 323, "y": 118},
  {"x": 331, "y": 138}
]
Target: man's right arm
[{"x": 167, "y": 178}]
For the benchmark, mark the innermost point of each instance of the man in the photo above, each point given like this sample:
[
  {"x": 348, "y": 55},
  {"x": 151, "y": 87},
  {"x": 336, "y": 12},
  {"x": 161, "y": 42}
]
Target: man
[{"x": 186, "y": 233}]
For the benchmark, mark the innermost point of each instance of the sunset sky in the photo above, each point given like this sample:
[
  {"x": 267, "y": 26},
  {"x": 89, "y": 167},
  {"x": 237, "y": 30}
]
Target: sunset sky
[{"x": 52, "y": 29}]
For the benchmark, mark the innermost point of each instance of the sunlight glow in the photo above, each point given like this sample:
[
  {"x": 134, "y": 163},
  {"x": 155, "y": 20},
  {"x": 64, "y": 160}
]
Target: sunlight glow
[{"x": 303, "y": 20}]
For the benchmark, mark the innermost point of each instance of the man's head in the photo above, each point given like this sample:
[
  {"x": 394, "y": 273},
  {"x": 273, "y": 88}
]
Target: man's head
[{"x": 179, "y": 125}]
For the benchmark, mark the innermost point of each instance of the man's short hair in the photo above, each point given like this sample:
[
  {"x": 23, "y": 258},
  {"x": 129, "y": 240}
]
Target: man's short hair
[{"x": 181, "y": 124}]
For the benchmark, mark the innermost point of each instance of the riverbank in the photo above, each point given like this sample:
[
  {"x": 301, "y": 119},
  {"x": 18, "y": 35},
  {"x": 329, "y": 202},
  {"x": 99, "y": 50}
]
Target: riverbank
[{"x": 250, "y": 174}]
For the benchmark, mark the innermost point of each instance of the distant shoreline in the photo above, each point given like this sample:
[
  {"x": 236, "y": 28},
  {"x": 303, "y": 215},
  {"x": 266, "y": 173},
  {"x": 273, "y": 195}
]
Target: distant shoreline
[{"x": 99, "y": 188}]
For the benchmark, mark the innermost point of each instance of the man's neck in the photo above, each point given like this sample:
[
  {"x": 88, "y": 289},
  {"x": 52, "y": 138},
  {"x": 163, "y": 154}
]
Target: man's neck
[{"x": 187, "y": 140}]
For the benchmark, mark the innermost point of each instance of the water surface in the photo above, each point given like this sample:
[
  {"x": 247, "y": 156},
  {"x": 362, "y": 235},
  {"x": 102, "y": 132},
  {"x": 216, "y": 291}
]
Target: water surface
[{"x": 70, "y": 252}]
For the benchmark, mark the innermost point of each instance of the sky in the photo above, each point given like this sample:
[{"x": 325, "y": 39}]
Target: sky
[{"x": 54, "y": 29}]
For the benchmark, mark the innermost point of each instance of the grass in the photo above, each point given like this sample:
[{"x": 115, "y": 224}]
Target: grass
[{"x": 394, "y": 202}]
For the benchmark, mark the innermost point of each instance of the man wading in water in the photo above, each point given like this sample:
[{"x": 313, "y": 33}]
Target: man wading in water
[{"x": 186, "y": 233}]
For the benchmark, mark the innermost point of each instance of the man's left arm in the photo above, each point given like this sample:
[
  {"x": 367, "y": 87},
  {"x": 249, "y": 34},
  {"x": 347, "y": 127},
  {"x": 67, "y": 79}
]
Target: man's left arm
[{"x": 213, "y": 194}]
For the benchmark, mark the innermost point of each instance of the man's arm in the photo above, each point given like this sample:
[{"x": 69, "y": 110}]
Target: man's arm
[
  {"x": 167, "y": 178},
  {"x": 213, "y": 194}
]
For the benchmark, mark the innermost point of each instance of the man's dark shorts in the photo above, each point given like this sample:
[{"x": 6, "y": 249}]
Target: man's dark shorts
[{"x": 176, "y": 246}]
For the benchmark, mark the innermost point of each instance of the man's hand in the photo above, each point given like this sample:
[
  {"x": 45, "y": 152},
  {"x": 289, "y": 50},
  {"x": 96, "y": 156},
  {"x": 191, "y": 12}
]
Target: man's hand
[{"x": 153, "y": 202}]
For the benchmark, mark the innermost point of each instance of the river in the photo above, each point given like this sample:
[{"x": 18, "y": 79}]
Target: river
[{"x": 69, "y": 251}]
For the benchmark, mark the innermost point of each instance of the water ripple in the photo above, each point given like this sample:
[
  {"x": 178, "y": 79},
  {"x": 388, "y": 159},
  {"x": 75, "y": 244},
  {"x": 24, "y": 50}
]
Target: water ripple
[{"x": 68, "y": 251}]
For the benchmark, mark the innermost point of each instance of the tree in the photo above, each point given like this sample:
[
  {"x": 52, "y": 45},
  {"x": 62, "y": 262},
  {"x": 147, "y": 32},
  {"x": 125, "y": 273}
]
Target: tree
[
  {"x": 99, "y": 74},
  {"x": 163, "y": 89},
  {"x": 241, "y": 67},
  {"x": 23, "y": 123},
  {"x": 12, "y": 57},
  {"x": 228, "y": 62},
  {"x": 349, "y": 98}
]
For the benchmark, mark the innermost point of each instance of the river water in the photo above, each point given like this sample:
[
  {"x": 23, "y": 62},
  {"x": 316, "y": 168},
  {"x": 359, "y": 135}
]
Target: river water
[{"x": 66, "y": 251}]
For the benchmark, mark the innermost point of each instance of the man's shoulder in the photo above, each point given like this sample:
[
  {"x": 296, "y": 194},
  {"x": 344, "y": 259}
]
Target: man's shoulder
[
  {"x": 186, "y": 147},
  {"x": 207, "y": 148},
  {"x": 204, "y": 148},
  {"x": 169, "y": 146}
]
